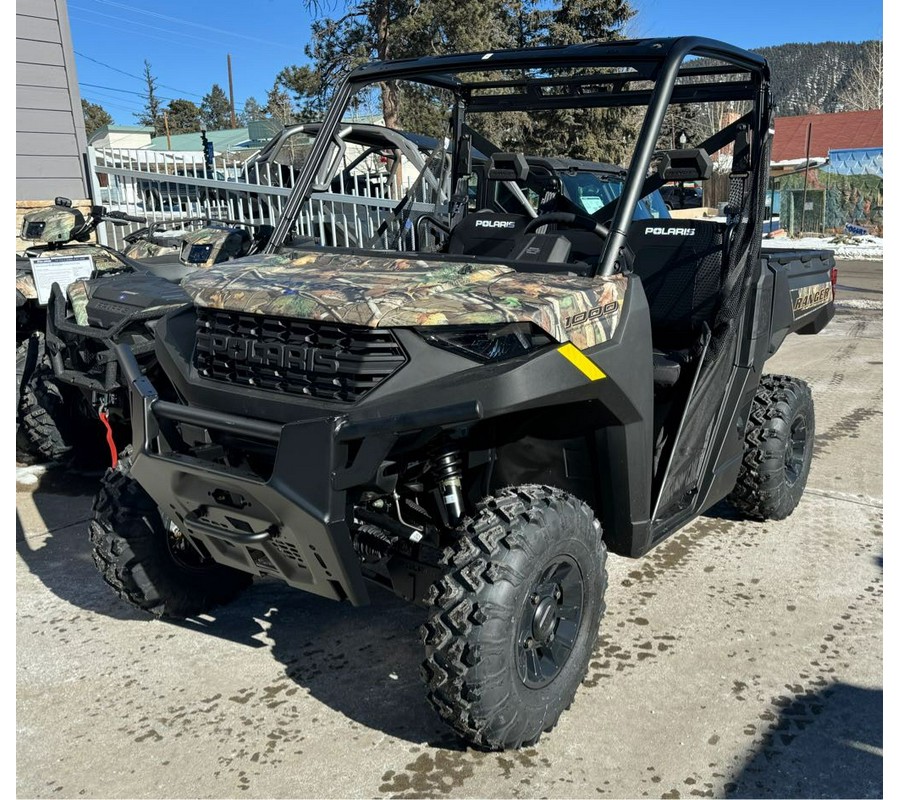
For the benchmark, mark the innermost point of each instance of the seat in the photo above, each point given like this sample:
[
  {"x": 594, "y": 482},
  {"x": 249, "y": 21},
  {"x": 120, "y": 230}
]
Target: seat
[
  {"x": 680, "y": 263},
  {"x": 667, "y": 366},
  {"x": 487, "y": 235}
]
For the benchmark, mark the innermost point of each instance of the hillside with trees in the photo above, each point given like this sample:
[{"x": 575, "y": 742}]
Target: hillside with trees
[{"x": 825, "y": 77}]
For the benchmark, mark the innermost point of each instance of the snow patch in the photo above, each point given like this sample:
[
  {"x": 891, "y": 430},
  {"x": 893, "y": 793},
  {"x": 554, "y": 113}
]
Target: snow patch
[{"x": 865, "y": 248}]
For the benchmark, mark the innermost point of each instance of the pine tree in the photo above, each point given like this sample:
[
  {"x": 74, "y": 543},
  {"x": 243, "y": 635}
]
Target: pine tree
[
  {"x": 278, "y": 105},
  {"x": 152, "y": 113},
  {"x": 215, "y": 110},
  {"x": 95, "y": 117},
  {"x": 389, "y": 29},
  {"x": 183, "y": 115},
  {"x": 252, "y": 111}
]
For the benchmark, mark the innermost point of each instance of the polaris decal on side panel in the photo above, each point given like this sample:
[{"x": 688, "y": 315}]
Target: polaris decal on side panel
[
  {"x": 494, "y": 223},
  {"x": 671, "y": 231}
]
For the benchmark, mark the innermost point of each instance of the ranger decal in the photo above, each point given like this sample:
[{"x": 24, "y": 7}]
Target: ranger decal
[{"x": 808, "y": 298}]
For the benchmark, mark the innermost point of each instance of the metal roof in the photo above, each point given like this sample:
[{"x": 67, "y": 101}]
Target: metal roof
[
  {"x": 232, "y": 139},
  {"x": 846, "y": 130}
]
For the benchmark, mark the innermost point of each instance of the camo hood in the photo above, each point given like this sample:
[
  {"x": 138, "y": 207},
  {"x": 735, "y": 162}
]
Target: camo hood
[
  {"x": 53, "y": 224},
  {"x": 214, "y": 244},
  {"x": 402, "y": 292}
]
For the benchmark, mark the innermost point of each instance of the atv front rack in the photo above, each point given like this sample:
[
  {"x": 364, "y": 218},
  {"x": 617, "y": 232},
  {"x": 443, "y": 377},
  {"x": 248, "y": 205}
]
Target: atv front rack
[{"x": 59, "y": 326}]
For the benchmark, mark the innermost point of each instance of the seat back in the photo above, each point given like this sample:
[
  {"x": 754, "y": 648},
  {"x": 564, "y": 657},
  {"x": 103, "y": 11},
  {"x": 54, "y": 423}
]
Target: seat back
[
  {"x": 486, "y": 234},
  {"x": 680, "y": 263}
]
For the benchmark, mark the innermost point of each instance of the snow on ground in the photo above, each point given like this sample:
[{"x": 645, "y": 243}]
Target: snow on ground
[
  {"x": 865, "y": 248},
  {"x": 845, "y": 245}
]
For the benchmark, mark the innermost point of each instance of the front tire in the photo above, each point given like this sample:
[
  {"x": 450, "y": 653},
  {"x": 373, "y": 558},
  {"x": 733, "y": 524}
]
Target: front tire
[
  {"x": 778, "y": 449},
  {"x": 51, "y": 418},
  {"x": 514, "y": 619},
  {"x": 28, "y": 352},
  {"x": 147, "y": 562}
]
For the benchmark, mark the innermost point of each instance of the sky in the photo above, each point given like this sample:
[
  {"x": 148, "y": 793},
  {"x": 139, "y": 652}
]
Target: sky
[{"x": 187, "y": 41}]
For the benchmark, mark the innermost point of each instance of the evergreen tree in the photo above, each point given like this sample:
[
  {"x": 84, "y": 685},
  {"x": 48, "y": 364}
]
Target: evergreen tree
[
  {"x": 95, "y": 117},
  {"x": 389, "y": 29},
  {"x": 278, "y": 105},
  {"x": 252, "y": 111},
  {"x": 305, "y": 84},
  {"x": 152, "y": 113},
  {"x": 183, "y": 115},
  {"x": 215, "y": 110}
]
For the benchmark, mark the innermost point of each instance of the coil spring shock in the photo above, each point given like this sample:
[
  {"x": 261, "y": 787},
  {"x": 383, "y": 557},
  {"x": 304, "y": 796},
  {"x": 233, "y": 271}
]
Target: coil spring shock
[{"x": 449, "y": 470}]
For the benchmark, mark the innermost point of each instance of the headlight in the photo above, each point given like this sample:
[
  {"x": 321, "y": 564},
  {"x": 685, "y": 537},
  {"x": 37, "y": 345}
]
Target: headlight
[
  {"x": 488, "y": 342},
  {"x": 197, "y": 254}
]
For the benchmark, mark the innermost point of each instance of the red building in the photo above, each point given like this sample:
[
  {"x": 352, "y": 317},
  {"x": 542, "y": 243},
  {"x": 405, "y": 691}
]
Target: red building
[{"x": 847, "y": 130}]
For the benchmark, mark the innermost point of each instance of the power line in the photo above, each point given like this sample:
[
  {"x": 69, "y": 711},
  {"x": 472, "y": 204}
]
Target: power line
[
  {"x": 184, "y": 21},
  {"x": 107, "y": 98},
  {"x": 118, "y": 29},
  {"x": 118, "y": 18},
  {"x": 107, "y": 104},
  {"x": 123, "y": 91},
  {"x": 136, "y": 77}
]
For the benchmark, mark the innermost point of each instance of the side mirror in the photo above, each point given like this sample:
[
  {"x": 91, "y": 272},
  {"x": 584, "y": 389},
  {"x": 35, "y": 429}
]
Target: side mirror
[{"x": 684, "y": 165}]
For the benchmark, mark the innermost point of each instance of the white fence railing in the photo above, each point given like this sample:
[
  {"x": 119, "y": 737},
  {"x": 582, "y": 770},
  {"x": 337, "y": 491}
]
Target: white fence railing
[{"x": 164, "y": 186}]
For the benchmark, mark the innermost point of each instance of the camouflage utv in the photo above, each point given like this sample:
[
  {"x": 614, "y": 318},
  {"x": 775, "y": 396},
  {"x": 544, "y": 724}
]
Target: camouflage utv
[
  {"x": 70, "y": 400},
  {"x": 477, "y": 404}
]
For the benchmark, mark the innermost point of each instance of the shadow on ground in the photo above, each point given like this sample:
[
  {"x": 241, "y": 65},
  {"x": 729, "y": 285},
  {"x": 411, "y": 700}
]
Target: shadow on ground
[
  {"x": 361, "y": 662},
  {"x": 826, "y": 744}
]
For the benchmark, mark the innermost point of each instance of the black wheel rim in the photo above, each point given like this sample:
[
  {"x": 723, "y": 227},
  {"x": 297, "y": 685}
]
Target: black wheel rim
[
  {"x": 795, "y": 454},
  {"x": 550, "y": 622}
]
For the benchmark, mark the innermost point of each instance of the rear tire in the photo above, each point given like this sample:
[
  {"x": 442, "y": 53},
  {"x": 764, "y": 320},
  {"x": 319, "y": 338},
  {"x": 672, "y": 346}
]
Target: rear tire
[
  {"x": 149, "y": 565},
  {"x": 778, "y": 449},
  {"x": 514, "y": 619}
]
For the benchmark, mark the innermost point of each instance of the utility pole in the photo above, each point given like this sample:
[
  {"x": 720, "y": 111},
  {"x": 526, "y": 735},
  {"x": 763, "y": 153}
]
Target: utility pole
[
  {"x": 168, "y": 135},
  {"x": 231, "y": 93},
  {"x": 805, "y": 178}
]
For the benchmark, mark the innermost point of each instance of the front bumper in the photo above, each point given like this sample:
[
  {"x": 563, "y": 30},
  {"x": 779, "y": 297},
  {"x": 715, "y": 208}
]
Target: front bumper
[{"x": 294, "y": 525}]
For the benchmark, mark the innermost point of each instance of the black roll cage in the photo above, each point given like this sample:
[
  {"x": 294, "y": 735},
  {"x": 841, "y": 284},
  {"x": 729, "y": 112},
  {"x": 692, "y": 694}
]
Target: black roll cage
[{"x": 657, "y": 61}]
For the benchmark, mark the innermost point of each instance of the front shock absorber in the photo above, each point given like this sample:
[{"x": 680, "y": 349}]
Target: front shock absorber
[{"x": 449, "y": 470}]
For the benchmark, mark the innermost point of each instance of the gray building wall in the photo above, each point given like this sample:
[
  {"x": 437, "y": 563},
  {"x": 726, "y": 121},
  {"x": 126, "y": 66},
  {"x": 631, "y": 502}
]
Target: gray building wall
[{"x": 50, "y": 135}]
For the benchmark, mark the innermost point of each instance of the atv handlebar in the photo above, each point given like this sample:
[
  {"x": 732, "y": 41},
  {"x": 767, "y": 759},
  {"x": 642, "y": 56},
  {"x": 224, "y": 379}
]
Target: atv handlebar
[{"x": 120, "y": 217}]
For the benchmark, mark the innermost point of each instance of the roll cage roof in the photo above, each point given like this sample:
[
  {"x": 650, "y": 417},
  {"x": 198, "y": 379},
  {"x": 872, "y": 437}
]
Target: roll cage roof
[{"x": 603, "y": 72}]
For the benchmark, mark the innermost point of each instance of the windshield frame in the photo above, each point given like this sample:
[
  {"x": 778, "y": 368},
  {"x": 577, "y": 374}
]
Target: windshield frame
[{"x": 658, "y": 61}]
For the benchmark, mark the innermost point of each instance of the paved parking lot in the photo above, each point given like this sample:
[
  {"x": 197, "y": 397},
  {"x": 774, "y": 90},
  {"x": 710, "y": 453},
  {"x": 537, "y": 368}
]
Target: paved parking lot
[{"x": 738, "y": 659}]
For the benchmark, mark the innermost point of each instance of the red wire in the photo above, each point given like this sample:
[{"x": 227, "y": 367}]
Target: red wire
[{"x": 114, "y": 454}]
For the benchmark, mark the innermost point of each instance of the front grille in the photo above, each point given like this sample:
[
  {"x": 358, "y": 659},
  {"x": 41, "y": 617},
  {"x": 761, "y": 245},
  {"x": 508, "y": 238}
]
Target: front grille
[{"x": 322, "y": 360}]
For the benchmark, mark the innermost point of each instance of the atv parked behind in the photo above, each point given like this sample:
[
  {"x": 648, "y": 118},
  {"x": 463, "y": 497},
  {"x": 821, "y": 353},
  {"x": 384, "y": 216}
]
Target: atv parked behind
[
  {"x": 476, "y": 405},
  {"x": 71, "y": 399},
  {"x": 60, "y": 233}
]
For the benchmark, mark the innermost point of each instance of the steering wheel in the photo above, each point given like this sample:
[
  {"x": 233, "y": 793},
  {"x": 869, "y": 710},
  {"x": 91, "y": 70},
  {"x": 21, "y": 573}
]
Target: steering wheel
[{"x": 569, "y": 219}]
